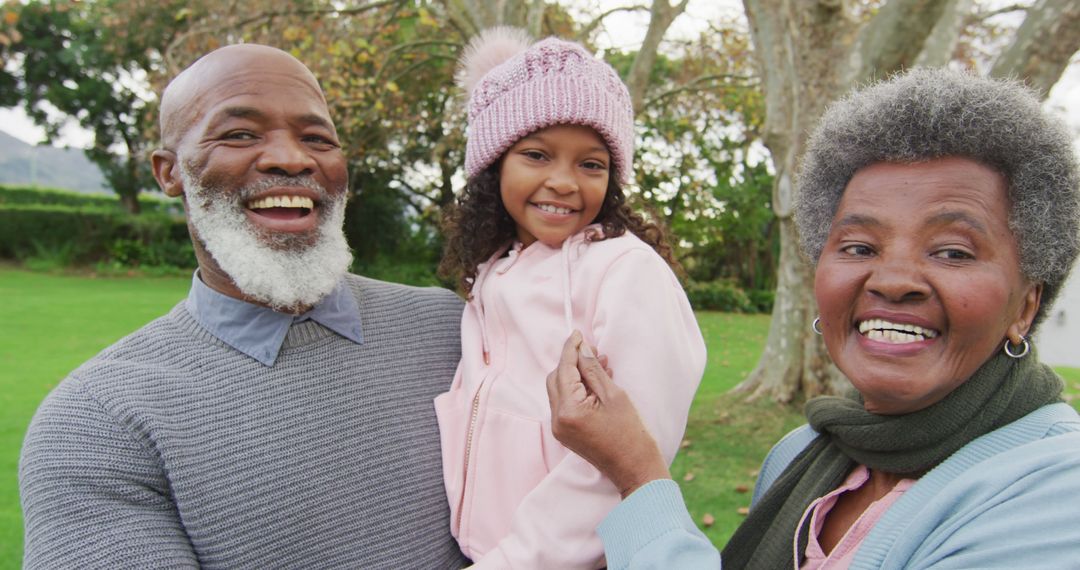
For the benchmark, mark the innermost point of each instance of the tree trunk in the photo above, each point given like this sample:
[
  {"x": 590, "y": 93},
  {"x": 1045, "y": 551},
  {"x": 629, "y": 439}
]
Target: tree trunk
[
  {"x": 1044, "y": 44},
  {"x": 130, "y": 202},
  {"x": 662, "y": 14},
  {"x": 940, "y": 45},
  {"x": 801, "y": 52},
  {"x": 472, "y": 16}
]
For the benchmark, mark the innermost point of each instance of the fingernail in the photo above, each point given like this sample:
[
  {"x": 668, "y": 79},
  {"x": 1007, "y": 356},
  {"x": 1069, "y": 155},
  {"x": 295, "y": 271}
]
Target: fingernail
[{"x": 586, "y": 351}]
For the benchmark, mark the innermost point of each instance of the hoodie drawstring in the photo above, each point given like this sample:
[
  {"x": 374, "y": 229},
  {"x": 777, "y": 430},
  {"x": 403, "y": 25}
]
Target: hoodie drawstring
[
  {"x": 568, "y": 308},
  {"x": 474, "y": 299}
]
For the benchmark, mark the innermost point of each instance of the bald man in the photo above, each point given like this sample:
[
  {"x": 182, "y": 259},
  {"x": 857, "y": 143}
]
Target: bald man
[{"x": 280, "y": 416}]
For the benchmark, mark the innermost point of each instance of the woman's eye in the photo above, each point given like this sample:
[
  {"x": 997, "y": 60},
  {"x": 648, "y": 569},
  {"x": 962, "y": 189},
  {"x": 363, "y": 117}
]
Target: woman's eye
[
  {"x": 858, "y": 249},
  {"x": 953, "y": 254}
]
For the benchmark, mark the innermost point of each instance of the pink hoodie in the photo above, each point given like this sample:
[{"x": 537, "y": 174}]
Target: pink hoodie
[{"x": 518, "y": 498}]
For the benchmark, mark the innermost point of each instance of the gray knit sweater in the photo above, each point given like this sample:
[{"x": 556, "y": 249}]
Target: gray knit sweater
[{"x": 172, "y": 450}]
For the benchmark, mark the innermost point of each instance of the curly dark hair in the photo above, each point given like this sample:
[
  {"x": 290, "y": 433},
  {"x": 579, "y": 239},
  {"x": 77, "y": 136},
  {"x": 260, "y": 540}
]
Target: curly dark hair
[{"x": 477, "y": 225}]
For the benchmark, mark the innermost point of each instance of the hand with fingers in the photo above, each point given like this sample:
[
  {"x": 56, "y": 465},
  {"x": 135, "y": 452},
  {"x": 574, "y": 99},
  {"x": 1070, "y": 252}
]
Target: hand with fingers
[{"x": 595, "y": 418}]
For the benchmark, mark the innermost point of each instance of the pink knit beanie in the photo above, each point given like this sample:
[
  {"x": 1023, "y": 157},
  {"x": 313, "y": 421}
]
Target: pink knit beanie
[{"x": 517, "y": 87}]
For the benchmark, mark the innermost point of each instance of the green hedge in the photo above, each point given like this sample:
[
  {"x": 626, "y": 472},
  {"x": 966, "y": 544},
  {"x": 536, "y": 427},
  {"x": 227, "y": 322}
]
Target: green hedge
[
  {"x": 11, "y": 195},
  {"x": 66, "y": 235},
  {"x": 727, "y": 297}
]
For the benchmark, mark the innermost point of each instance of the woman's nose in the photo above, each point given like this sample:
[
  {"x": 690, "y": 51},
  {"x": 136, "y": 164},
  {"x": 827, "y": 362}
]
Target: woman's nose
[{"x": 898, "y": 279}]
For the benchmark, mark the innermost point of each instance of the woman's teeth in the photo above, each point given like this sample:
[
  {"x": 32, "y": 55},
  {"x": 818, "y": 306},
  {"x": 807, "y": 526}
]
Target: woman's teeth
[
  {"x": 553, "y": 209},
  {"x": 896, "y": 333},
  {"x": 282, "y": 202}
]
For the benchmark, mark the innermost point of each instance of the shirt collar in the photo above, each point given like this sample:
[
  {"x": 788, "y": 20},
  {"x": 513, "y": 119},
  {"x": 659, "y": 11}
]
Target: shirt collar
[{"x": 259, "y": 331}]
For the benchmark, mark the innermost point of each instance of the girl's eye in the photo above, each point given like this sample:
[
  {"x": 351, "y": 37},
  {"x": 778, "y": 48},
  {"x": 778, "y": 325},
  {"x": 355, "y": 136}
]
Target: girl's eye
[
  {"x": 857, "y": 250},
  {"x": 953, "y": 254},
  {"x": 594, "y": 165},
  {"x": 533, "y": 154}
]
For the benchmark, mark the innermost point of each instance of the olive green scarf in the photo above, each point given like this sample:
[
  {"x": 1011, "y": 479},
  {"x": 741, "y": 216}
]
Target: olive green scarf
[{"x": 1000, "y": 392}]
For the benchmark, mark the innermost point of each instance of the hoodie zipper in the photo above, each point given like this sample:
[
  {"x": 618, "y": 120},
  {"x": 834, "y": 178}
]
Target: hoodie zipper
[{"x": 468, "y": 449}]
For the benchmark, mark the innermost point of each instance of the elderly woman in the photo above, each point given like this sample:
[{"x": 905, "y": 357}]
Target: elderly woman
[{"x": 941, "y": 211}]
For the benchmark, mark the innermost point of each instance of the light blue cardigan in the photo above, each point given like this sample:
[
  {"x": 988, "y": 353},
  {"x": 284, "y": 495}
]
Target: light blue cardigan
[{"x": 1009, "y": 499}]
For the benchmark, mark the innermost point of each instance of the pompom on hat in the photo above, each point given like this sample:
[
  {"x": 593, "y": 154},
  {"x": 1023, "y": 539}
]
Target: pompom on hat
[{"x": 517, "y": 87}]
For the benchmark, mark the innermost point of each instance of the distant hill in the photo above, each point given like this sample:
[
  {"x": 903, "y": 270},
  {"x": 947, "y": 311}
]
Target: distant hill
[{"x": 66, "y": 168}]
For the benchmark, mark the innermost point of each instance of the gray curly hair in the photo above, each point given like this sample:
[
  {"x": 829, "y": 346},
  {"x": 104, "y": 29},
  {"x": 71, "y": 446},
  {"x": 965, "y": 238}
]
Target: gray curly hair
[{"x": 932, "y": 113}]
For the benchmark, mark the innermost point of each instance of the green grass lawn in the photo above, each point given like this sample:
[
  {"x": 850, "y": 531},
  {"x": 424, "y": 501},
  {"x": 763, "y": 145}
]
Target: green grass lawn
[{"x": 52, "y": 323}]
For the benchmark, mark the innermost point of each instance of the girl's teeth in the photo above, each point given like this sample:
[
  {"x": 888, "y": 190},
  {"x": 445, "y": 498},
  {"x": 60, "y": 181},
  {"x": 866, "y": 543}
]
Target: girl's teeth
[{"x": 553, "y": 209}]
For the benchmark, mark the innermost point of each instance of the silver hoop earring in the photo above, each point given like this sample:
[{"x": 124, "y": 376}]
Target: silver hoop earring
[
  {"x": 1023, "y": 342},
  {"x": 816, "y": 325}
]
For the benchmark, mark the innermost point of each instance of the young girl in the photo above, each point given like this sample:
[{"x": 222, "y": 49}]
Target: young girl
[{"x": 544, "y": 245}]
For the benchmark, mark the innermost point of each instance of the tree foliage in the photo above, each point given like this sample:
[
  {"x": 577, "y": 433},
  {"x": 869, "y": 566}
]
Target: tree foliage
[
  {"x": 9, "y": 37},
  {"x": 700, "y": 164},
  {"x": 77, "y": 63}
]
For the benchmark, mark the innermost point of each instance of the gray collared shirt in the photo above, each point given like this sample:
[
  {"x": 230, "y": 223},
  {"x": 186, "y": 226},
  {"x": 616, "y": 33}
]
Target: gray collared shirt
[{"x": 258, "y": 331}]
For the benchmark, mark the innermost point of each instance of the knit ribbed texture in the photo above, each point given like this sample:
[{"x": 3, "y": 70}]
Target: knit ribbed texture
[
  {"x": 553, "y": 82},
  {"x": 172, "y": 450}
]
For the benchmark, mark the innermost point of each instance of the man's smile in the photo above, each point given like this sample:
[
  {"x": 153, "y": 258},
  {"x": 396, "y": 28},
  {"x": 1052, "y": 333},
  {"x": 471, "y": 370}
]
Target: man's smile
[{"x": 288, "y": 207}]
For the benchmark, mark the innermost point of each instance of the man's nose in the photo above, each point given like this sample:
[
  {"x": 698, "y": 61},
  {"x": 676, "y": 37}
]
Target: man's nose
[{"x": 287, "y": 155}]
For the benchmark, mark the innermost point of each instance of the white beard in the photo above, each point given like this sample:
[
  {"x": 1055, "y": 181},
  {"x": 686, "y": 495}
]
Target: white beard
[{"x": 284, "y": 271}]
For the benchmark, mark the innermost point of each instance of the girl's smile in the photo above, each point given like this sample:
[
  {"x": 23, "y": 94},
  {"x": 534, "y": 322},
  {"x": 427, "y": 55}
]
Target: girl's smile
[{"x": 553, "y": 182}]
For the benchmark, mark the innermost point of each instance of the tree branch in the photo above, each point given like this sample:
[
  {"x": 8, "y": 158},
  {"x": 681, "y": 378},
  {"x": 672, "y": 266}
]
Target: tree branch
[
  {"x": 265, "y": 17},
  {"x": 696, "y": 85},
  {"x": 662, "y": 15},
  {"x": 1003, "y": 10},
  {"x": 1044, "y": 44},
  {"x": 894, "y": 37},
  {"x": 592, "y": 25}
]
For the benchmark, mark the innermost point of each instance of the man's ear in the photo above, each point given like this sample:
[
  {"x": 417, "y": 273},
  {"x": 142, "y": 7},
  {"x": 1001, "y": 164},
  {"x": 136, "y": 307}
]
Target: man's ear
[{"x": 167, "y": 172}]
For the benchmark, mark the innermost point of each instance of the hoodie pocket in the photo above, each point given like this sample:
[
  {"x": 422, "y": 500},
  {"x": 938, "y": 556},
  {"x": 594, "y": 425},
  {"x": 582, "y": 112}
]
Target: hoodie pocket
[
  {"x": 510, "y": 463},
  {"x": 453, "y": 409}
]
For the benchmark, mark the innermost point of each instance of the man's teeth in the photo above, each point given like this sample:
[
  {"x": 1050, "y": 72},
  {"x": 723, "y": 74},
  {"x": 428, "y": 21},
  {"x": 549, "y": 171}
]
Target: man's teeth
[
  {"x": 553, "y": 209},
  {"x": 896, "y": 333},
  {"x": 282, "y": 202}
]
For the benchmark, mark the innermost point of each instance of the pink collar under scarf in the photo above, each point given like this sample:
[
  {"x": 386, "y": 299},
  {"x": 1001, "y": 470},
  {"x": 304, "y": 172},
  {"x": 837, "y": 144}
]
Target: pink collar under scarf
[{"x": 841, "y": 556}]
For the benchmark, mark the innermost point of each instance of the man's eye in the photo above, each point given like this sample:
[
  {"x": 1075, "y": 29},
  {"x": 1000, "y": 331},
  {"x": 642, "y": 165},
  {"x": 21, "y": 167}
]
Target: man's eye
[
  {"x": 238, "y": 136},
  {"x": 319, "y": 139}
]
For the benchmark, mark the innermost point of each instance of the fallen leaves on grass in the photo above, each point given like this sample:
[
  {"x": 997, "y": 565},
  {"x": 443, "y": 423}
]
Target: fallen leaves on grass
[
  {"x": 688, "y": 477},
  {"x": 708, "y": 520},
  {"x": 742, "y": 489},
  {"x": 744, "y": 511}
]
